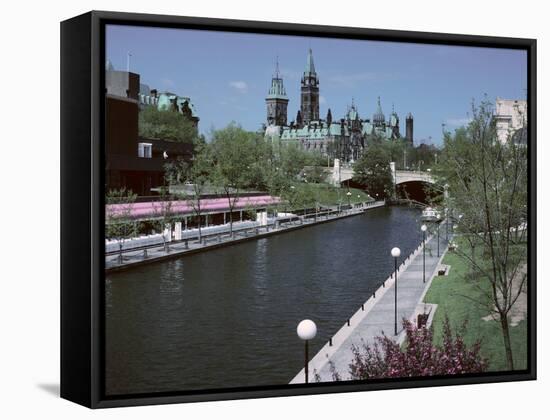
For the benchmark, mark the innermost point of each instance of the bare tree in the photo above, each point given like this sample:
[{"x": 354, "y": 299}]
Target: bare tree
[
  {"x": 488, "y": 190},
  {"x": 194, "y": 178},
  {"x": 119, "y": 224},
  {"x": 163, "y": 215}
]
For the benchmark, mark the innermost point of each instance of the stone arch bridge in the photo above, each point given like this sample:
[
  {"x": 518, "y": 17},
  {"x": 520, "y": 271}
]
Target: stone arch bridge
[{"x": 341, "y": 174}]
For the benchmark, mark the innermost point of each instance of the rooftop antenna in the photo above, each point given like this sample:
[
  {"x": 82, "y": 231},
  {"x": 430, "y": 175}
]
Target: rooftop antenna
[
  {"x": 128, "y": 55},
  {"x": 277, "y": 67}
]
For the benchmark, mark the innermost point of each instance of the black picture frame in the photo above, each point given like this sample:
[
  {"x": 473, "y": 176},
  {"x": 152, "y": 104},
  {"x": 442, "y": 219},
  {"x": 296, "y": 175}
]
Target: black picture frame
[{"x": 82, "y": 203}]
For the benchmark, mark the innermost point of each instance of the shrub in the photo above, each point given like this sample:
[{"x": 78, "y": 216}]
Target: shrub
[{"x": 418, "y": 357}]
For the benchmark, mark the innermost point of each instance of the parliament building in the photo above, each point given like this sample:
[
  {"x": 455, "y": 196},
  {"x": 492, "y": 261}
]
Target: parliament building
[{"x": 343, "y": 138}]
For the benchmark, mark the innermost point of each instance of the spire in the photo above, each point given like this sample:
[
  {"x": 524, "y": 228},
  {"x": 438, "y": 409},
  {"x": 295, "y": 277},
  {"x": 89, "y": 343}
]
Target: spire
[
  {"x": 277, "y": 67},
  {"x": 277, "y": 90},
  {"x": 329, "y": 117},
  {"x": 310, "y": 67},
  {"x": 379, "y": 117},
  {"x": 299, "y": 120}
]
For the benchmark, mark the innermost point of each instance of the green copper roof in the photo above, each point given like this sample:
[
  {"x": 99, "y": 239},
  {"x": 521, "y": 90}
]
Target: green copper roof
[
  {"x": 352, "y": 112},
  {"x": 379, "y": 117},
  {"x": 310, "y": 67},
  {"x": 165, "y": 101},
  {"x": 277, "y": 90}
]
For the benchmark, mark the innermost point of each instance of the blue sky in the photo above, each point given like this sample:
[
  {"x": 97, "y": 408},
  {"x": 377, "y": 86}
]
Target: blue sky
[{"x": 227, "y": 75}]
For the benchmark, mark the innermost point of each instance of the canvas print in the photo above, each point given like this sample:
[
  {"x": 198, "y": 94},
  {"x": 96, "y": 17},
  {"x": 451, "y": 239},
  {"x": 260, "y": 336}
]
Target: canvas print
[{"x": 283, "y": 209}]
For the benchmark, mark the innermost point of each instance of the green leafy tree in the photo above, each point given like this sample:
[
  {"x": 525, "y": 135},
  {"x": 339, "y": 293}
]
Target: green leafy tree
[
  {"x": 373, "y": 171},
  {"x": 488, "y": 189},
  {"x": 193, "y": 179},
  {"x": 315, "y": 174},
  {"x": 167, "y": 125},
  {"x": 163, "y": 215},
  {"x": 119, "y": 224},
  {"x": 233, "y": 164}
]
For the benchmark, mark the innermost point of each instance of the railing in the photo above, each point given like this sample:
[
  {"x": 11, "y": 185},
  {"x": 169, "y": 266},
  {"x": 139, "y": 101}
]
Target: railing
[{"x": 206, "y": 238}]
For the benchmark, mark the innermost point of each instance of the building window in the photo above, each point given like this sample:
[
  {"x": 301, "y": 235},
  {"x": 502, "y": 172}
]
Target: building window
[{"x": 145, "y": 150}]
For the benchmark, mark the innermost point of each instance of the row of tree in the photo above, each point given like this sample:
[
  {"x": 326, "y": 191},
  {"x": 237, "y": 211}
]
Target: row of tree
[
  {"x": 235, "y": 161},
  {"x": 488, "y": 190},
  {"x": 487, "y": 182}
]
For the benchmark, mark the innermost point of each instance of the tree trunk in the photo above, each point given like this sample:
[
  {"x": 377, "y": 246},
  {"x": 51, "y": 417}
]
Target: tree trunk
[
  {"x": 200, "y": 231},
  {"x": 507, "y": 343},
  {"x": 473, "y": 264}
]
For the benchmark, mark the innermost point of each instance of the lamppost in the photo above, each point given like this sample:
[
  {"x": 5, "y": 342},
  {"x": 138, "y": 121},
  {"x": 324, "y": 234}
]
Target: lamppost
[
  {"x": 349, "y": 198},
  {"x": 446, "y": 196},
  {"x": 306, "y": 331},
  {"x": 395, "y": 253},
  {"x": 437, "y": 240},
  {"x": 423, "y": 228}
]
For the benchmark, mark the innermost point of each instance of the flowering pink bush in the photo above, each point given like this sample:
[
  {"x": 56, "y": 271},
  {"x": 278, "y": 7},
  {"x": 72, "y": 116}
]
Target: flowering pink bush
[{"x": 419, "y": 357}]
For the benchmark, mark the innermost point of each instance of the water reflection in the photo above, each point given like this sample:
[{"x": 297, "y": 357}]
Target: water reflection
[{"x": 227, "y": 317}]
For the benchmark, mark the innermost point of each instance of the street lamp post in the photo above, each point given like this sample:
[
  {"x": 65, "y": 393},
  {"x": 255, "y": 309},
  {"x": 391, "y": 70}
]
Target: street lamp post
[
  {"x": 349, "y": 198},
  {"x": 446, "y": 225},
  {"x": 438, "y": 240},
  {"x": 423, "y": 228},
  {"x": 307, "y": 330},
  {"x": 395, "y": 253},
  {"x": 446, "y": 198}
]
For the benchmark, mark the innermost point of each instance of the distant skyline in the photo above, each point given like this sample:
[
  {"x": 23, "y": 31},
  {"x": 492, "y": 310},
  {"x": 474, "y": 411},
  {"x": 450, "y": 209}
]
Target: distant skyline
[{"x": 227, "y": 75}]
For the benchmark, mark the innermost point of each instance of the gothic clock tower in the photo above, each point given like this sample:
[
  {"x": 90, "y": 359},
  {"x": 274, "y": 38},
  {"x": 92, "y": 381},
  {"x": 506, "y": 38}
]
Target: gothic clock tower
[{"x": 310, "y": 92}]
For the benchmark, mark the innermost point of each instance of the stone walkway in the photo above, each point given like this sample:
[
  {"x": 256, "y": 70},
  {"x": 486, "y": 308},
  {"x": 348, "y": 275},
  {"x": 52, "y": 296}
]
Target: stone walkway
[{"x": 378, "y": 314}]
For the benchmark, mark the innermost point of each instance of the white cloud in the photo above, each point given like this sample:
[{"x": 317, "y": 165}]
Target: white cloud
[
  {"x": 457, "y": 122},
  {"x": 239, "y": 85},
  {"x": 322, "y": 100}
]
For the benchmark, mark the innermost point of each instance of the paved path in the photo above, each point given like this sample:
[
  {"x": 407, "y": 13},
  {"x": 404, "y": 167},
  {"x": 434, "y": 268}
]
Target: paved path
[
  {"x": 378, "y": 314},
  {"x": 157, "y": 252}
]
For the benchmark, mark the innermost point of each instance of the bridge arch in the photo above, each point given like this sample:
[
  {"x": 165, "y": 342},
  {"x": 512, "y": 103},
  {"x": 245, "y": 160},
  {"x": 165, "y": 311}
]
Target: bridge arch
[{"x": 411, "y": 184}]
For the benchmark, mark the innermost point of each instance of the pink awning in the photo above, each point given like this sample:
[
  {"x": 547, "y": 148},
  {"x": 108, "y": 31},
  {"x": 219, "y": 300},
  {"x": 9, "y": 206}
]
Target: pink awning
[{"x": 216, "y": 205}]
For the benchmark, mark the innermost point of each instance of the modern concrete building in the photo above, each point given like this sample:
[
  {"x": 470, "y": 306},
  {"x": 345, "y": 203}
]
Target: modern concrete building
[{"x": 132, "y": 161}]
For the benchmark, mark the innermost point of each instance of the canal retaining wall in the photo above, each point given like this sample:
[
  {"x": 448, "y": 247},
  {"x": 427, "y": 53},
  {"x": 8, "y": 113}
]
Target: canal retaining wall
[
  {"x": 178, "y": 249},
  {"x": 376, "y": 315}
]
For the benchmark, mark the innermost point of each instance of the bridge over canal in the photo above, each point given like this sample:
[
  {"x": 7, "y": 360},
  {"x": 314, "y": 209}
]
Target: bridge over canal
[
  {"x": 342, "y": 174},
  {"x": 408, "y": 184}
]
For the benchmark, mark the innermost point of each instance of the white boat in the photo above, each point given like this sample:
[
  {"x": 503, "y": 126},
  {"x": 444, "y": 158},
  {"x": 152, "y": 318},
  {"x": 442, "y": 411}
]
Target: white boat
[{"x": 430, "y": 215}]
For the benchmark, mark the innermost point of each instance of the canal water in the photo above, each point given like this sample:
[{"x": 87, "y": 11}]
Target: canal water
[{"x": 227, "y": 317}]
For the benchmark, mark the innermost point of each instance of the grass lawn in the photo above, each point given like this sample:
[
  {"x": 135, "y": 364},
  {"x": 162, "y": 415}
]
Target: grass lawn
[
  {"x": 329, "y": 195},
  {"x": 448, "y": 293}
]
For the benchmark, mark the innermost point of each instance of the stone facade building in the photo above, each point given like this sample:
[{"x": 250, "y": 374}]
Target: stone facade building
[{"x": 511, "y": 120}]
